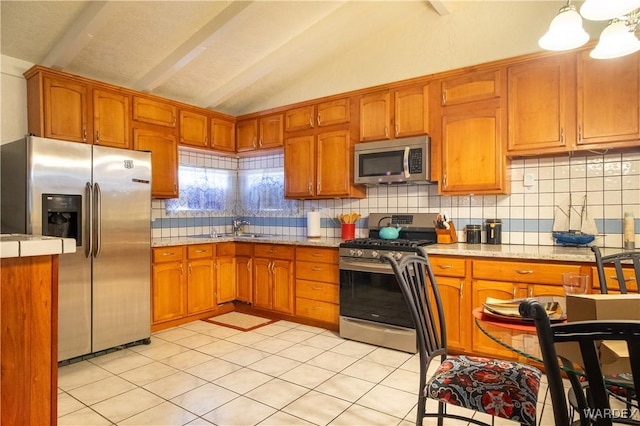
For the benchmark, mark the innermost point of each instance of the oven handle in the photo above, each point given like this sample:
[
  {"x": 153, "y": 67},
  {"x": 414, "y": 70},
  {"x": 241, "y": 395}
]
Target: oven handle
[{"x": 383, "y": 268}]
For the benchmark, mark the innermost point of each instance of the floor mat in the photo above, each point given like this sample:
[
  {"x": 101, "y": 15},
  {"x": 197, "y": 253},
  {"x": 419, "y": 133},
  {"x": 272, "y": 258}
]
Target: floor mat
[{"x": 240, "y": 321}]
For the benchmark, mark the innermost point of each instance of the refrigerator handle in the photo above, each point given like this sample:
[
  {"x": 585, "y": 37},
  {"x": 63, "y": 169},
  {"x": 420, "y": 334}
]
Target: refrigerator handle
[
  {"x": 97, "y": 218},
  {"x": 88, "y": 196}
]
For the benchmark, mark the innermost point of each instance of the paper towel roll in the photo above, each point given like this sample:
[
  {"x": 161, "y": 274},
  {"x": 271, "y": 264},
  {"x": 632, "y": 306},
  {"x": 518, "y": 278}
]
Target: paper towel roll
[{"x": 313, "y": 224}]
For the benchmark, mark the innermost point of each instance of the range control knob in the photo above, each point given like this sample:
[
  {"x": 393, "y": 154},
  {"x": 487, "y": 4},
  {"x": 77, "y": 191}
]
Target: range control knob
[
  {"x": 355, "y": 252},
  {"x": 374, "y": 253},
  {"x": 396, "y": 255}
]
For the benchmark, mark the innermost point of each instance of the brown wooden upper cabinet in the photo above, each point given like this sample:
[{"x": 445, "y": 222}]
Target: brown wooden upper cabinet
[
  {"x": 223, "y": 135},
  {"x": 472, "y": 134},
  {"x": 67, "y": 108},
  {"x": 194, "y": 129},
  {"x": 320, "y": 115},
  {"x": 541, "y": 105},
  {"x": 153, "y": 111},
  {"x": 260, "y": 133},
  {"x": 164, "y": 160},
  {"x": 608, "y": 101},
  {"x": 394, "y": 113}
]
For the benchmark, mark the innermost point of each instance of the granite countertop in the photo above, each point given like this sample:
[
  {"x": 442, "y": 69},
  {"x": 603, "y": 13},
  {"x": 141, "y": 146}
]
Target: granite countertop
[
  {"x": 502, "y": 251},
  {"x": 23, "y": 245}
]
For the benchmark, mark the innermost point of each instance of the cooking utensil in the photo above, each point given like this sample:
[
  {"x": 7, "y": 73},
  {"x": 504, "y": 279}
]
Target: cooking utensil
[{"x": 390, "y": 232}]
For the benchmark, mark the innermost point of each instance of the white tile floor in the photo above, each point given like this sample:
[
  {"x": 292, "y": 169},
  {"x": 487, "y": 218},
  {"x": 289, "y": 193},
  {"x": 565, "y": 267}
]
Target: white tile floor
[{"x": 280, "y": 374}]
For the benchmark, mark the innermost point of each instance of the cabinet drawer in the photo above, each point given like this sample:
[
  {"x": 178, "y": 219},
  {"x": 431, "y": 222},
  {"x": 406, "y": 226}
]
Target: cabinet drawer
[
  {"x": 317, "y": 254},
  {"x": 322, "y": 311},
  {"x": 318, "y": 272},
  {"x": 612, "y": 280},
  {"x": 199, "y": 251},
  {"x": 523, "y": 272},
  {"x": 273, "y": 251},
  {"x": 225, "y": 249},
  {"x": 324, "y": 292},
  {"x": 168, "y": 254},
  {"x": 244, "y": 249},
  {"x": 448, "y": 266}
]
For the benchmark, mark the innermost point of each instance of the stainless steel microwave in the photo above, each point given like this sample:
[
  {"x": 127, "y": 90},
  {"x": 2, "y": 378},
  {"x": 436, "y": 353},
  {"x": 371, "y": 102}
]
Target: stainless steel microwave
[{"x": 395, "y": 161}]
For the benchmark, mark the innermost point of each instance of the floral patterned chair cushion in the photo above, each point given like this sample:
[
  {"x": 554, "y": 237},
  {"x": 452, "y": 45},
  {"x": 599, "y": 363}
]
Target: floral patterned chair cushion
[{"x": 500, "y": 388}]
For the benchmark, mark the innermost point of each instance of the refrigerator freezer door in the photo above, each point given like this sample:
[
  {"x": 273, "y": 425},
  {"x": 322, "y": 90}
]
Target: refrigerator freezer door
[
  {"x": 57, "y": 167},
  {"x": 122, "y": 247}
]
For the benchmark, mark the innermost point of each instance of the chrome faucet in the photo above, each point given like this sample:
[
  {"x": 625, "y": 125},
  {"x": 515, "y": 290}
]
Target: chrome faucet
[{"x": 237, "y": 225}]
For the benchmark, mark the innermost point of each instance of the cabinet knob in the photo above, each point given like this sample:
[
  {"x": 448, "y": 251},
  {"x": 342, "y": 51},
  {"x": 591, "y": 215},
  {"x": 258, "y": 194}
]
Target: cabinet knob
[
  {"x": 445, "y": 266},
  {"x": 523, "y": 271}
]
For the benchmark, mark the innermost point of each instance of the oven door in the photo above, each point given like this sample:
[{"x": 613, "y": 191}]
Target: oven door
[{"x": 370, "y": 291}]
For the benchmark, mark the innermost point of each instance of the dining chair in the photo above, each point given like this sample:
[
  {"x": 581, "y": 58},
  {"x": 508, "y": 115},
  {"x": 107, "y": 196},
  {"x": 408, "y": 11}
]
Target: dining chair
[
  {"x": 499, "y": 388},
  {"x": 616, "y": 260},
  {"x": 587, "y": 334}
]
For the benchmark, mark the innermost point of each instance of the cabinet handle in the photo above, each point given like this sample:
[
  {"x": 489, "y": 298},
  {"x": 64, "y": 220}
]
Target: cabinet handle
[
  {"x": 310, "y": 188},
  {"x": 397, "y": 132},
  {"x": 169, "y": 253},
  {"x": 580, "y": 133},
  {"x": 626, "y": 279},
  {"x": 444, "y": 180},
  {"x": 316, "y": 288},
  {"x": 386, "y": 131},
  {"x": 318, "y": 188},
  {"x": 445, "y": 266},
  {"x": 317, "y": 255},
  {"x": 514, "y": 292},
  {"x": 175, "y": 188},
  {"x": 461, "y": 288},
  {"x": 260, "y": 142},
  {"x": 310, "y": 121},
  {"x": 530, "y": 291},
  {"x": 253, "y": 142},
  {"x": 316, "y": 268},
  {"x": 562, "y": 136},
  {"x": 190, "y": 269},
  {"x": 444, "y": 97},
  {"x": 84, "y": 134},
  {"x": 206, "y": 140},
  {"x": 200, "y": 251},
  {"x": 181, "y": 271},
  {"x": 523, "y": 271},
  {"x": 318, "y": 119},
  {"x": 249, "y": 264},
  {"x": 174, "y": 119},
  {"x": 97, "y": 137}
]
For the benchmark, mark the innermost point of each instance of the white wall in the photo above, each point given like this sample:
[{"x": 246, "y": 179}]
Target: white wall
[{"x": 13, "y": 98}]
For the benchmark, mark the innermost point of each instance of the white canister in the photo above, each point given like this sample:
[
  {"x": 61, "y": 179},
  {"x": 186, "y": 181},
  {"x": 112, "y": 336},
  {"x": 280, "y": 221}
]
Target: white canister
[{"x": 313, "y": 224}]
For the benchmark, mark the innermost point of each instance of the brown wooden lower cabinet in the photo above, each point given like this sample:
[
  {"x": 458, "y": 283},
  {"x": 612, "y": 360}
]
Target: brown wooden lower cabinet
[
  {"x": 318, "y": 284},
  {"x": 273, "y": 277},
  {"x": 29, "y": 340}
]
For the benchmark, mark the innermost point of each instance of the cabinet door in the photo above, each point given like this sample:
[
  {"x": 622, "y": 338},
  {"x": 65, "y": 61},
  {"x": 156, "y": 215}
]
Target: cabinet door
[
  {"x": 226, "y": 279},
  {"x": 168, "y": 291},
  {"x": 334, "y": 158},
  {"x": 282, "y": 276},
  {"x": 111, "y": 112},
  {"x": 473, "y": 161},
  {"x": 201, "y": 288},
  {"x": 262, "y": 283},
  {"x": 247, "y": 135},
  {"x": 608, "y": 100},
  {"x": 334, "y": 112},
  {"x": 154, "y": 112},
  {"x": 271, "y": 132},
  {"x": 411, "y": 111},
  {"x": 244, "y": 279},
  {"x": 540, "y": 102},
  {"x": 471, "y": 87},
  {"x": 480, "y": 343},
  {"x": 456, "y": 305},
  {"x": 194, "y": 129},
  {"x": 65, "y": 110},
  {"x": 300, "y": 167},
  {"x": 223, "y": 135},
  {"x": 164, "y": 160},
  {"x": 375, "y": 116},
  {"x": 299, "y": 118}
]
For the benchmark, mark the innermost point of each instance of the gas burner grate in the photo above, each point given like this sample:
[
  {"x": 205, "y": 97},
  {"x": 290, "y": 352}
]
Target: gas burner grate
[{"x": 386, "y": 244}]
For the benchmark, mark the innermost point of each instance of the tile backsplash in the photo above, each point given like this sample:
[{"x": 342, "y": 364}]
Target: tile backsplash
[{"x": 611, "y": 183}]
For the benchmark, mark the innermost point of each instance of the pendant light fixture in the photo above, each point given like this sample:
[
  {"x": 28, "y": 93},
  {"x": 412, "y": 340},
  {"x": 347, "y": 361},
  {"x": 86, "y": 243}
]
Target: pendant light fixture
[{"x": 619, "y": 38}]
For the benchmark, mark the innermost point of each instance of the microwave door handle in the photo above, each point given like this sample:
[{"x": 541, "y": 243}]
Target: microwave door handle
[{"x": 405, "y": 163}]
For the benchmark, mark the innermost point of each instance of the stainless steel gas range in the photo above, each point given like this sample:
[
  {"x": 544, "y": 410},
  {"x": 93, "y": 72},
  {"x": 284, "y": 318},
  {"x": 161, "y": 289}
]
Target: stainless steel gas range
[{"x": 372, "y": 308}]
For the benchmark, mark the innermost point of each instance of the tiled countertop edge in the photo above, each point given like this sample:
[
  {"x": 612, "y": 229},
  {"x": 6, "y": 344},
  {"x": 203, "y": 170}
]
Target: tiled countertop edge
[
  {"x": 21, "y": 245},
  {"x": 503, "y": 251}
]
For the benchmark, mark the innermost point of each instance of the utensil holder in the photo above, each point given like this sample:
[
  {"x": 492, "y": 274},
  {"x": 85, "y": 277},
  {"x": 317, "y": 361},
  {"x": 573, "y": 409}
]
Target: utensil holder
[
  {"x": 348, "y": 231},
  {"x": 447, "y": 236}
]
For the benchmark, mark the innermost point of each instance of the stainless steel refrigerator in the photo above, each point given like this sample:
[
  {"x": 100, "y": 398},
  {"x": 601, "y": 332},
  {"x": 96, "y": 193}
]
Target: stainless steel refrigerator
[{"x": 102, "y": 197}]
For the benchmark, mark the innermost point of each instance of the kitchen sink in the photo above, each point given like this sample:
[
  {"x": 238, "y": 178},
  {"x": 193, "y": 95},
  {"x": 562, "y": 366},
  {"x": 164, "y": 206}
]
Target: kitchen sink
[
  {"x": 254, "y": 235},
  {"x": 248, "y": 235}
]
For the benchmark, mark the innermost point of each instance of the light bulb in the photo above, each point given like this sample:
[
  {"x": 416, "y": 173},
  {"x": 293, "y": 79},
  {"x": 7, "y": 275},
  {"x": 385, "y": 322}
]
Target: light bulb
[
  {"x": 565, "y": 31},
  {"x": 616, "y": 40}
]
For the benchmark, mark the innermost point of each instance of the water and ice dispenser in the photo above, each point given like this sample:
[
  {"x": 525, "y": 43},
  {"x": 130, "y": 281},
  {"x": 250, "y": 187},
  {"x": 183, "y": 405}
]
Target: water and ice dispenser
[{"x": 62, "y": 216}]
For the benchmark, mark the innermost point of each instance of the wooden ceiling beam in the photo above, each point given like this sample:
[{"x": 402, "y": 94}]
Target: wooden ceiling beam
[
  {"x": 190, "y": 49},
  {"x": 77, "y": 36}
]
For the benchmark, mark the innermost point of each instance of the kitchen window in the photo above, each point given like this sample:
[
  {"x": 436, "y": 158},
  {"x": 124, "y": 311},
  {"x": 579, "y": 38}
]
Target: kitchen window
[{"x": 204, "y": 190}]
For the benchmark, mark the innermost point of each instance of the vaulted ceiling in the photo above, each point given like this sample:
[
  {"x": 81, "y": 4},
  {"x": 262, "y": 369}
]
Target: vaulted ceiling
[{"x": 239, "y": 57}]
